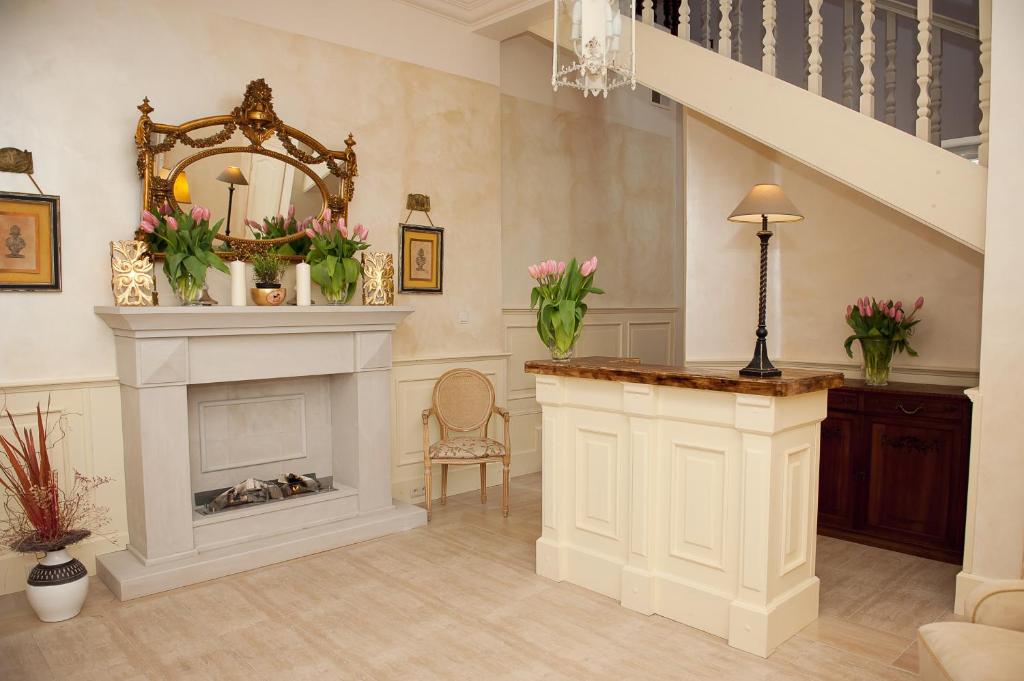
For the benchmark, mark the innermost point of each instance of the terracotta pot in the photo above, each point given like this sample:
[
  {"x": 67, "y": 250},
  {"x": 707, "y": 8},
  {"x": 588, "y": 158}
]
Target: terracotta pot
[
  {"x": 268, "y": 296},
  {"x": 57, "y": 587}
]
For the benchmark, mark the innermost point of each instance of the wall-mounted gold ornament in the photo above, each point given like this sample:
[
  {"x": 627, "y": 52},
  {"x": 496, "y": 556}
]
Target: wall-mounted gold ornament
[
  {"x": 131, "y": 274},
  {"x": 378, "y": 278},
  {"x": 418, "y": 203}
]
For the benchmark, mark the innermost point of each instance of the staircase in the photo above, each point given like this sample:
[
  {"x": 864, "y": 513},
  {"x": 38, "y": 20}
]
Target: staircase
[{"x": 906, "y": 172}]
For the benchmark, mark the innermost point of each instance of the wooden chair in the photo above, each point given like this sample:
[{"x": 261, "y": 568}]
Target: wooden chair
[{"x": 463, "y": 402}]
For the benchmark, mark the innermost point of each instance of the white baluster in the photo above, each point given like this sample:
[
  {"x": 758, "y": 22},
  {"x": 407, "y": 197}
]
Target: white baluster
[
  {"x": 768, "y": 55},
  {"x": 815, "y": 31},
  {"x": 684, "y": 19},
  {"x": 924, "y": 68},
  {"x": 935, "y": 94},
  {"x": 849, "y": 55},
  {"x": 867, "y": 58},
  {"x": 725, "y": 28},
  {"x": 985, "y": 82},
  {"x": 890, "y": 68},
  {"x": 647, "y": 13}
]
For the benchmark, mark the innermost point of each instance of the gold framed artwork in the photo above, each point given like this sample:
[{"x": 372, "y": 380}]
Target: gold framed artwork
[
  {"x": 29, "y": 242},
  {"x": 421, "y": 260}
]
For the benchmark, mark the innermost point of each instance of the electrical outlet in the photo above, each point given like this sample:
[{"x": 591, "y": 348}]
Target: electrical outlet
[
  {"x": 462, "y": 317},
  {"x": 416, "y": 492}
]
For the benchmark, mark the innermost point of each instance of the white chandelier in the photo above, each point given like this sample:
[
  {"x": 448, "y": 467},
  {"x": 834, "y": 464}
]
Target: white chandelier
[{"x": 596, "y": 39}]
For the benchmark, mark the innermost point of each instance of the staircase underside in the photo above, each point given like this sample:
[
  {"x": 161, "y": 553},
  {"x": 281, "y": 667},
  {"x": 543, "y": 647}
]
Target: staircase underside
[{"x": 929, "y": 184}]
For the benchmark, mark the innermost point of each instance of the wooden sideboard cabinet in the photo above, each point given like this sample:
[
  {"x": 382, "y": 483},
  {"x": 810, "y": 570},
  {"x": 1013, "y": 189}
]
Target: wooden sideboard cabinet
[{"x": 894, "y": 467}]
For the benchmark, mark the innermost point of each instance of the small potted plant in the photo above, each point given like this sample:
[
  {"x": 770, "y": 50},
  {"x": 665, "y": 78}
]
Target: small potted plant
[
  {"x": 883, "y": 328},
  {"x": 558, "y": 298},
  {"x": 44, "y": 517},
  {"x": 267, "y": 269}
]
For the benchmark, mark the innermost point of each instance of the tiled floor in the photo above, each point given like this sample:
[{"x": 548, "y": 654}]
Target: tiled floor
[{"x": 459, "y": 600}]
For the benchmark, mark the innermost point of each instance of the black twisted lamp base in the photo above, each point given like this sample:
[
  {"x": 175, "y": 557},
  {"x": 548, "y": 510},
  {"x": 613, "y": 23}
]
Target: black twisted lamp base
[{"x": 760, "y": 365}]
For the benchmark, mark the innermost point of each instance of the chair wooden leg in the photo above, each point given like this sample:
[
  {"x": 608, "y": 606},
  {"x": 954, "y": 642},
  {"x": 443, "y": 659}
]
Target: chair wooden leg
[
  {"x": 483, "y": 483},
  {"x": 504, "y": 490},
  {"x": 444, "y": 484},
  {"x": 426, "y": 488}
]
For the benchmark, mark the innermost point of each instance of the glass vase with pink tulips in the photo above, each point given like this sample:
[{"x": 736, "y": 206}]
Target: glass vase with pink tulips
[
  {"x": 883, "y": 328},
  {"x": 331, "y": 257},
  {"x": 558, "y": 298},
  {"x": 186, "y": 240}
]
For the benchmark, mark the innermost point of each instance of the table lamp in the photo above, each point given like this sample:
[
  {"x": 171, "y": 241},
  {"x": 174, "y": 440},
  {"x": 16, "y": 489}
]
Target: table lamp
[
  {"x": 180, "y": 188},
  {"x": 765, "y": 203},
  {"x": 232, "y": 175}
]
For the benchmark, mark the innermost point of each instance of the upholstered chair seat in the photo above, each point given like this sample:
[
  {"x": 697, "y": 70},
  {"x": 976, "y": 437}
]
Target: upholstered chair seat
[
  {"x": 463, "y": 404},
  {"x": 990, "y": 647},
  {"x": 466, "y": 448}
]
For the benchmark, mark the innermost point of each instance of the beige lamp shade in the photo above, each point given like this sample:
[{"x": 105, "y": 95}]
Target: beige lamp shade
[
  {"x": 181, "y": 192},
  {"x": 232, "y": 175},
  {"x": 765, "y": 201}
]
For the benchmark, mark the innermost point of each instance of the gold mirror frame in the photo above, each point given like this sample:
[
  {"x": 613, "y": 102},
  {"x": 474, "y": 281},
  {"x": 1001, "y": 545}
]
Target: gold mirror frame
[{"x": 256, "y": 119}]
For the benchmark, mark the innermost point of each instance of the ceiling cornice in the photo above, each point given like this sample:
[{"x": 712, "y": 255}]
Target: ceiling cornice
[{"x": 473, "y": 13}]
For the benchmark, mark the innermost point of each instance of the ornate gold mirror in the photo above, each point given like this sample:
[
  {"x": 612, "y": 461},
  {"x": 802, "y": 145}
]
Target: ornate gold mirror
[{"x": 244, "y": 166}]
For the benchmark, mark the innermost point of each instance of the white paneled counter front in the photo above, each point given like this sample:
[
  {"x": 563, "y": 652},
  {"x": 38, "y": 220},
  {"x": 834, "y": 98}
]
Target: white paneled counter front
[{"x": 687, "y": 493}]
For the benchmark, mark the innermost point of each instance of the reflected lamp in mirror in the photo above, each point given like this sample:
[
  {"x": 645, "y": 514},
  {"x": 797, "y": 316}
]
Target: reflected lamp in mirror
[
  {"x": 181, "y": 192},
  {"x": 232, "y": 175},
  {"x": 764, "y": 204}
]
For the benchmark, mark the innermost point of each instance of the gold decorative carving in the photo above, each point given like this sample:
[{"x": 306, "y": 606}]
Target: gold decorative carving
[
  {"x": 258, "y": 122},
  {"x": 131, "y": 274},
  {"x": 16, "y": 161},
  {"x": 378, "y": 278}
]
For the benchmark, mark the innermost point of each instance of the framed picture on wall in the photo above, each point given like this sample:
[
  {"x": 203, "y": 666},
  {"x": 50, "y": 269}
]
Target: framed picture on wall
[
  {"x": 422, "y": 259},
  {"x": 29, "y": 242}
]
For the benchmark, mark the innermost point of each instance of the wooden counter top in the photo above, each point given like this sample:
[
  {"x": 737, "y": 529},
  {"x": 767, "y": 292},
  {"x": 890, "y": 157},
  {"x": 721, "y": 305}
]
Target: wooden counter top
[{"x": 630, "y": 370}]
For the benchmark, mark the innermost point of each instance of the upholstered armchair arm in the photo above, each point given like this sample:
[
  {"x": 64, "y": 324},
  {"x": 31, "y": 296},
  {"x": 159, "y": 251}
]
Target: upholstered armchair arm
[
  {"x": 998, "y": 604},
  {"x": 426, "y": 434},
  {"x": 503, "y": 413}
]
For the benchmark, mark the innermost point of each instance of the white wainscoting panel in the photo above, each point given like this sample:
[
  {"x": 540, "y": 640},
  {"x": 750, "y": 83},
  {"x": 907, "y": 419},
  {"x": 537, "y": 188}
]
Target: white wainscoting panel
[{"x": 87, "y": 439}]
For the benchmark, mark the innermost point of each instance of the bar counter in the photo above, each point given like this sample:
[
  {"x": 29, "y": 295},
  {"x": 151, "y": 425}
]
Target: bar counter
[{"x": 690, "y": 493}]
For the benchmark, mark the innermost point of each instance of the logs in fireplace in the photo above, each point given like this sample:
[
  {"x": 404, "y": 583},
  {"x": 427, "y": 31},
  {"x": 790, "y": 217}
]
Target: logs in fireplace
[{"x": 253, "y": 491}]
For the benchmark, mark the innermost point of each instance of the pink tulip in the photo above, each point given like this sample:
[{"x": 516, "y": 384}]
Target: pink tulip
[
  {"x": 310, "y": 233},
  {"x": 165, "y": 209},
  {"x": 343, "y": 229},
  {"x": 561, "y": 267},
  {"x": 197, "y": 216},
  {"x": 899, "y": 304},
  {"x": 899, "y": 315},
  {"x": 362, "y": 232},
  {"x": 172, "y": 224},
  {"x": 327, "y": 215},
  {"x": 532, "y": 270},
  {"x": 291, "y": 212},
  {"x": 849, "y": 310},
  {"x": 589, "y": 267},
  {"x": 919, "y": 303},
  {"x": 149, "y": 218},
  {"x": 146, "y": 227}
]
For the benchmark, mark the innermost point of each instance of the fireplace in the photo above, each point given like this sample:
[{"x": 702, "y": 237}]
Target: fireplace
[{"x": 228, "y": 402}]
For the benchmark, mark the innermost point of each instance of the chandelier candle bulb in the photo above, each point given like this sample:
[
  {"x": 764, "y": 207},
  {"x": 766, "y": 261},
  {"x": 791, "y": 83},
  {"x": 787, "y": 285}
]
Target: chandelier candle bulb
[
  {"x": 238, "y": 287},
  {"x": 302, "y": 284}
]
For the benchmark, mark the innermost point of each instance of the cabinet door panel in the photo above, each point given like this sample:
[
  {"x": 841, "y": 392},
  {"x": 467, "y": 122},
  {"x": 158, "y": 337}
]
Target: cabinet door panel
[
  {"x": 911, "y": 470},
  {"x": 836, "y": 487}
]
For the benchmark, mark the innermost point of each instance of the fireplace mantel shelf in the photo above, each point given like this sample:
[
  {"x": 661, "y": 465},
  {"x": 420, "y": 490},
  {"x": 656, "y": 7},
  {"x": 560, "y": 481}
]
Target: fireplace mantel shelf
[{"x": 205, "y": 321}]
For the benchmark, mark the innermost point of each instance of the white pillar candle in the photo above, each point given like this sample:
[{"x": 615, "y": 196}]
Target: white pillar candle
[
  {"x": 237, "y": 268},
  {"x": 302, "y": 294}
]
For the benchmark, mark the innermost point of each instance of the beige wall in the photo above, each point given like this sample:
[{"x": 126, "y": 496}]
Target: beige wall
[{"x": 846, "y": 247}]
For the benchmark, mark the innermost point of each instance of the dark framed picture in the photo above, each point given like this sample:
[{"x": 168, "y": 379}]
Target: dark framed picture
[
  {"x": 29, "y": 242},
  {"x": 422, "y": 259}
]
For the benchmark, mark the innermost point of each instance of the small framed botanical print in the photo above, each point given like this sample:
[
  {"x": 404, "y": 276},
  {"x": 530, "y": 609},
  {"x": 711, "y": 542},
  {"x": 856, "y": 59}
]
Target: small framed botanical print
[
  {"x": 29, "y": 242},
  {"x": 422, "y": 259}
]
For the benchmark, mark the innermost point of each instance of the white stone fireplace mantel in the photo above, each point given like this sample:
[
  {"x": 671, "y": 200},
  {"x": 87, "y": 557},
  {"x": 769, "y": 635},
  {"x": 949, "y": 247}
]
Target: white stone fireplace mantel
[{"x": 174, "y": 361}]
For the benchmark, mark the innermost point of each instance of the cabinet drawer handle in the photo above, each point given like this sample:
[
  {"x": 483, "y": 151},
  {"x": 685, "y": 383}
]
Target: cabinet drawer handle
[{"x": 910, "y": 412}]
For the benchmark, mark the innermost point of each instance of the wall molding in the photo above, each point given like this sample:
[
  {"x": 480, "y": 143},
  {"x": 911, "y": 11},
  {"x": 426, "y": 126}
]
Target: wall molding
[
  {"x": 42, "y": 385},
  {"x": 447, "y": 359}
]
